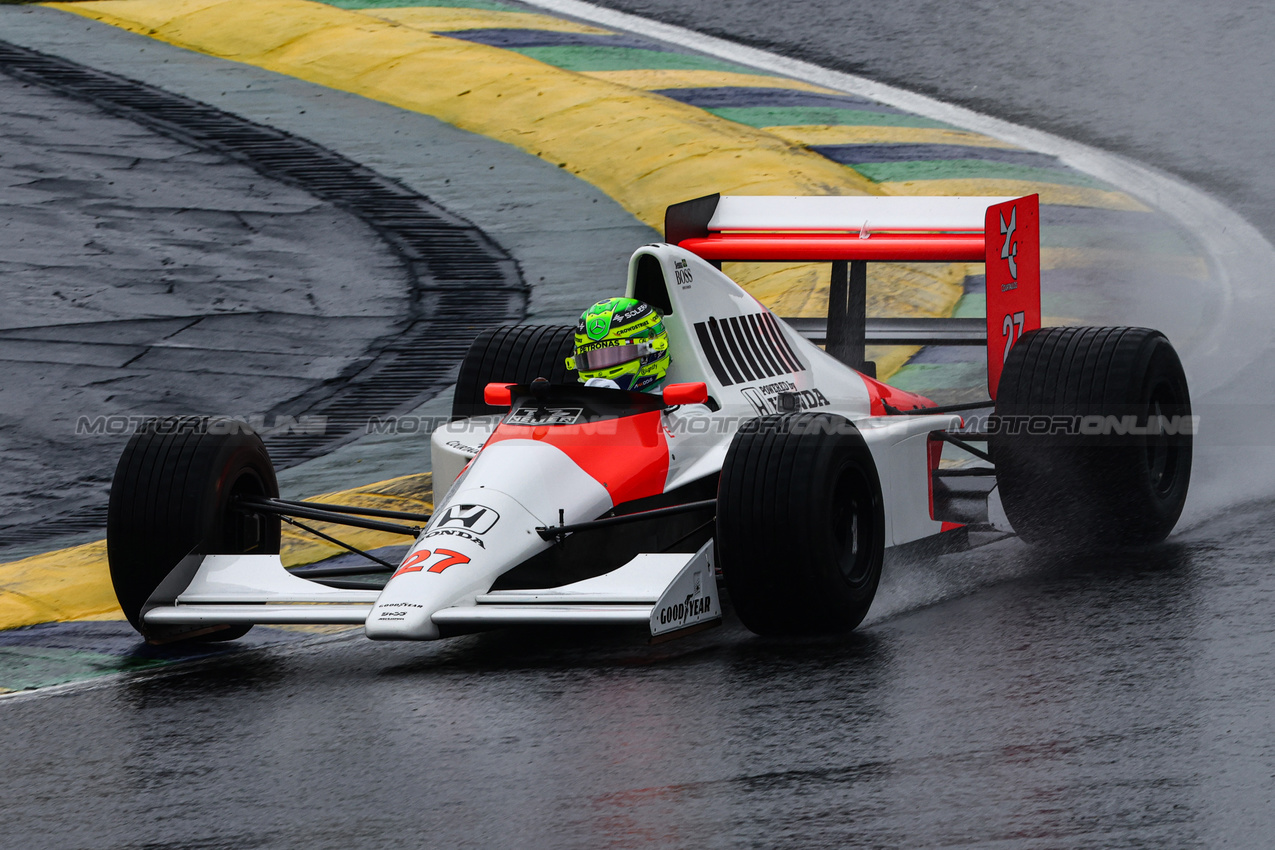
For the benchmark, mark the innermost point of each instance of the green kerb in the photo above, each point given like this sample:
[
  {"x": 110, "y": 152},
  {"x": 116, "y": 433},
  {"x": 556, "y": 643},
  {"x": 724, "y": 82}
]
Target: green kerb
[
  {"x": 972, "y": 169},
  {"x": 765, "y": 116},
  {"x": 31, "y": 667},
  {"x": 592, "y": 58}
]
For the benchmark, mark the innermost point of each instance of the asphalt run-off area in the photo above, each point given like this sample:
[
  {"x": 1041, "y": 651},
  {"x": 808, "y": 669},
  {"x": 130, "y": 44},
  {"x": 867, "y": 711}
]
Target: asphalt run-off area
[{"x": 300, "y": 214}]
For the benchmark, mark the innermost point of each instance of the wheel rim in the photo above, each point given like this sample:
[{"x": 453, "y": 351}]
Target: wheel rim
[
  {"x": 851, "y": 528},
  {"x": 1163, "y": 452},
  {"x": 242, "y": 532}
]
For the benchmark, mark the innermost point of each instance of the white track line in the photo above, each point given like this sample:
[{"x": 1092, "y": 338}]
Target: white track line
[{"x": 1241, "y": 258}]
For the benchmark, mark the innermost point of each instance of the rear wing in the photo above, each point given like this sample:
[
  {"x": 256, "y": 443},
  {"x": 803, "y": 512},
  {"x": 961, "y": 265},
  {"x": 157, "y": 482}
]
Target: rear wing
[{"x": 850, "y": 232}]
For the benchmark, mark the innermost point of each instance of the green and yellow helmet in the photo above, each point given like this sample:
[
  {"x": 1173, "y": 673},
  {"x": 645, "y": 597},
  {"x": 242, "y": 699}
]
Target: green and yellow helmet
[{"x": 622, "y": 340}]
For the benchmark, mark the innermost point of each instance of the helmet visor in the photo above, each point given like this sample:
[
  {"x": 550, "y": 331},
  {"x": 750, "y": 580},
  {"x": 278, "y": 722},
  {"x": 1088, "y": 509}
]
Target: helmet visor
[{"x": 612, "y": 355}]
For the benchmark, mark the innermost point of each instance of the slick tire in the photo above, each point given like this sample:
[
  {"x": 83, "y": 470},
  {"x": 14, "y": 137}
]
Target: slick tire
[
  {"x": 800, "y": 525},
  {"x": 517, "y": 354},
  {"x": 173, "y": 496},
  {"x": 1080, "y": 462}
]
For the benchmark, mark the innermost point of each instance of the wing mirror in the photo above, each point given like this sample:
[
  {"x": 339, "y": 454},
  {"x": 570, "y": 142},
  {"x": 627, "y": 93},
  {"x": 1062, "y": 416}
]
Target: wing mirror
[
  {"x": 498, "y": 395},
  {"x": 696, "y": 393}
]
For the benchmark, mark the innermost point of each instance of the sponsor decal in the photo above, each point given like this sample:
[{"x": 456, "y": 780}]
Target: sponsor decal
[
  {"x": 693, "y": 606},
  {"x": 443, "y": 558},
  {"x": 477, "y": 519},
  {"x": 631, "y": 313},
  {"x": 688, "y": 601},
  {"x": 394, "y": 615},
  {"x": 456, "y": 532},
  {"x": 605, "y": 343},
  {"x": 682, "y": 273},
  {"x": 457, "y": 444},
  {"x": 1009, "y": 251},
  {"x": 743, "y": 349},
  {"x": 783, "y": 397},
  {"x": 544, "y": 416}
]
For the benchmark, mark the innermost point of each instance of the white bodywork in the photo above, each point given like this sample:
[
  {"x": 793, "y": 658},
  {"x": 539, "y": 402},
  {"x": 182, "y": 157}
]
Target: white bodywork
[
  {"x": 850, "y": 213},
  {"x": 486, "y": 523}
]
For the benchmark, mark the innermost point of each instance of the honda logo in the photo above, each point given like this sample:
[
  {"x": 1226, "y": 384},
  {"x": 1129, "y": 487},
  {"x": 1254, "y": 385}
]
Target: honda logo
[{"x": 473, "y": 518}]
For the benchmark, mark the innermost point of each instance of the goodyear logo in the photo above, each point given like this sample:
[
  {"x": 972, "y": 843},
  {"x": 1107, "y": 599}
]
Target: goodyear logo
[{"x": 682, "y": 611}]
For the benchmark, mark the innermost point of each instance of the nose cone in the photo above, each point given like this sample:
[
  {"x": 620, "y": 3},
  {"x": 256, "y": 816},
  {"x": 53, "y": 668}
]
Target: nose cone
[
  {"x": 481, "y": 530},
  {"x": 468, "y": 544}
]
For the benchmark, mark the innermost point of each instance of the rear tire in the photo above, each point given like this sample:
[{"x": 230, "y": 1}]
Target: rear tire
[
  {"x": 1085, "y": 488},
  {"x": 800, "y": 524},
  {"x": 172, "y": 496},
  {"x": 515, "y": 355}
]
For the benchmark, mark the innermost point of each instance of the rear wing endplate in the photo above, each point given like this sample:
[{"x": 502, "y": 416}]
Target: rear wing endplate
[{"x": 849, "y": 232}]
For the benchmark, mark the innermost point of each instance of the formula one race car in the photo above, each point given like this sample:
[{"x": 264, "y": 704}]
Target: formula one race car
[{"x": 781, "y": 467}]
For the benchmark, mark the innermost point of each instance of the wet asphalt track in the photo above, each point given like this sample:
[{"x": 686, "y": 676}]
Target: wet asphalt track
[
  {"x": 132, "y": 275},
  {"x": 1114, "y": 704},
  {"x": 1001, "y": 698}
]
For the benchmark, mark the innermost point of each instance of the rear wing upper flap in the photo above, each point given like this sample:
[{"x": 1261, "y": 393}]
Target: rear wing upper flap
[{"x": 849, "y": 232}]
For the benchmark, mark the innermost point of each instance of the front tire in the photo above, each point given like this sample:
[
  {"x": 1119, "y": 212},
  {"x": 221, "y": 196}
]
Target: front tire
[
  {"x": 800, "y": 524},
  {"x": 516, "y": 355},
  {"x": 1097, "y": 475},
  {"x": 172, "y": 496}
]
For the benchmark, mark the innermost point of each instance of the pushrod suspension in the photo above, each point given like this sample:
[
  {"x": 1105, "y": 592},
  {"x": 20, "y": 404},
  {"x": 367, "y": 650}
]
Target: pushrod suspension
[
  {"x": 272, "y": 506},
  {"x": 557, "y": 532}
]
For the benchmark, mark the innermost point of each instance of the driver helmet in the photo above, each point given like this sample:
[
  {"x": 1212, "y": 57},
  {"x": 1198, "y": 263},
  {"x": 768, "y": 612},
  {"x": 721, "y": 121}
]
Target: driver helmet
[{"x": 621, "y": 340}]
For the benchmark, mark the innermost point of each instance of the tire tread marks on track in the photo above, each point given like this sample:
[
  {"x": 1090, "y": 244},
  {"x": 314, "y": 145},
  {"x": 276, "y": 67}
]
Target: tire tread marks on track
[{"x": 460, "y": 279}]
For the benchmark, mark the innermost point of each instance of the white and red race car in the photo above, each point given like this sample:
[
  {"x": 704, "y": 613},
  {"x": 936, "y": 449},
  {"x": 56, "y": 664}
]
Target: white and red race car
[{"x": 781, "y": 467}]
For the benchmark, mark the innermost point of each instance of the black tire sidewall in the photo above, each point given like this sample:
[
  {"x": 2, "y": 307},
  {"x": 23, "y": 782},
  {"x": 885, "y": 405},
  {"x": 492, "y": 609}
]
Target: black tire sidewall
[
  {"x": 1082, "y": 490},
  {"x": 172, "y": 496},
  {"x": 1125, "y": 469},
  {"x": 514, "y": 354},
  {"x": 776, "y": 529}
]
